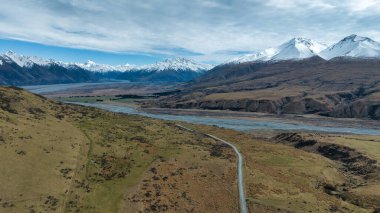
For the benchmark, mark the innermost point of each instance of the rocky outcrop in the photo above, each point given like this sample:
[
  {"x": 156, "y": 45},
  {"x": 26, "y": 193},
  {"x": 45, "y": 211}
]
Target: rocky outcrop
[
  {"x": 359, "y": 169},
  {"x": 357, "y": 109},
  {"x": 353, "y": 162}
]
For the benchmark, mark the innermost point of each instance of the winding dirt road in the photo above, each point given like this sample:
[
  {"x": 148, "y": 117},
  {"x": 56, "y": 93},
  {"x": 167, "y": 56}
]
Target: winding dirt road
[{"x": 242, "y": 199}]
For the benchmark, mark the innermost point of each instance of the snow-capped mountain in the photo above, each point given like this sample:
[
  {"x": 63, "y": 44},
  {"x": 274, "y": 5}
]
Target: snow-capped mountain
[
  {"x": 92, "y": 66},
  {"x": 296, "y": 48},
  {"x": 24, "y": 61},
  {"x": 177, "y": 64},
  {"x": 353, "y": 46},
  {"x": 300, "y": 48},
  {"x": 31, "y": 70},
  {"x": 169, "y": 70},
  {"x": 36, "y": 70},
  {"x": 29, "y": 61}
]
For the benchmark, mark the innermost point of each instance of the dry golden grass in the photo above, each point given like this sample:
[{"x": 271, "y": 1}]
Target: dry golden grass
[
  {"x": 282, "y": 178},
  {"x": 264, "y": 94},
  {"x": 59, "y": 158}
]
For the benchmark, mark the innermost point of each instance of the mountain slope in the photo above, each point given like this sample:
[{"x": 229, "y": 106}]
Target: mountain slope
[
  {"x": 353, "y": 46},
  {"x": 295, "y": 49},
  {"x": 340, "y": 87},
  {"x": 24, "y": 61},
  {"x": 24, "y": 70}
]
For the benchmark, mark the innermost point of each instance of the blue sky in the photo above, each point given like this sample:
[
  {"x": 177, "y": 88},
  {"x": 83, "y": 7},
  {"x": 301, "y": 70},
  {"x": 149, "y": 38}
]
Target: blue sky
[
  {"x": 77, "y": 55},
  {"x": 138, "y": 32}
]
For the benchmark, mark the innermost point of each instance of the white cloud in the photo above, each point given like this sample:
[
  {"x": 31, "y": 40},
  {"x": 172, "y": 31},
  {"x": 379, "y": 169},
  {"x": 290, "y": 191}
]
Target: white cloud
[
  {"x": 320, "y": 4},
  {"x": 362, "y": 5},
  {"x": 212, "y": 29}
]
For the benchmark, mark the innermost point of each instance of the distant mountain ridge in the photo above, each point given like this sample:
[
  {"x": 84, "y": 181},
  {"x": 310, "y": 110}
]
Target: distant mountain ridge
[
  {"x": 18, "y": 69},
  {"x": 168, "y": 64},
  {"x": 94, "y": 67},
  {"x": 25, "y": 61},
  {"x": 296, "y": 48},
  {"x": 177, "y": 64},
  {"x": 26, "y": 70},
  {"x": 300, "y": 48}
]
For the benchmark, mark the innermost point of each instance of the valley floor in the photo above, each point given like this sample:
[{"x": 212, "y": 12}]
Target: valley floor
[{"x": 286, "y": 118}]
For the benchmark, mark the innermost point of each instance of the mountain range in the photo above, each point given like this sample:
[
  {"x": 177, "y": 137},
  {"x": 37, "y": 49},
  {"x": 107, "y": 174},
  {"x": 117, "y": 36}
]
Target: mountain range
[
  {"x": 17, "y": 69},
  {"x": 298, "y": 77},
  {"x": 301, "y": 48},
  {"x": 177, "y": 64}
]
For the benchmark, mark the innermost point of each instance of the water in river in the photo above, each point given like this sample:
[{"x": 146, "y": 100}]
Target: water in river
[
  {"x": 230, "y": 123},
  {"x": 42, "y": 89},
  {"x": 234, "y": 123}
]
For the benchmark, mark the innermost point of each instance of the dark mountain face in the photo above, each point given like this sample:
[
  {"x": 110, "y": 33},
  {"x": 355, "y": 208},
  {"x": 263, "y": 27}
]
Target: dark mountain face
[
  {"x": 341, "y": 87},
  {"x": 13, "y": 74},
  {"x": 111, "y": 75},
  {"x": 18, "y": 69},
  {"x": 160, "y": 76}
]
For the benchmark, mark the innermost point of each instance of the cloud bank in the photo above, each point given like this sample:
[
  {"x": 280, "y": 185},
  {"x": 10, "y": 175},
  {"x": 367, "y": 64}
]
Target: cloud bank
[{"x": 208, "y": 30}]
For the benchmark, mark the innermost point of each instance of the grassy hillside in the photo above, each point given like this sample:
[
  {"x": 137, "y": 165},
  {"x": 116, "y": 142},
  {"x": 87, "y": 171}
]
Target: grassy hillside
[
  {"x": 58, "y": 157},
  {"x": 65, "y": 158},
  {"x": 281, "y": 177}
]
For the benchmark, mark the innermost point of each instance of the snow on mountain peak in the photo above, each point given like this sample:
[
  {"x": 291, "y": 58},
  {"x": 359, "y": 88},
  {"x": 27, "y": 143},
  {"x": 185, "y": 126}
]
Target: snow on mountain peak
[
  {"x": 25, "y": 61},
  {"x": 92, "y": 66},
  {"x": 356, "y": 38},
  {"x": 178, "y": 64},
  {"x": 296, "y": 48},
  {"x": 353, "y": 46},
  {"x": 313, "y": 46},
  {"x": 90, "y": 63}
]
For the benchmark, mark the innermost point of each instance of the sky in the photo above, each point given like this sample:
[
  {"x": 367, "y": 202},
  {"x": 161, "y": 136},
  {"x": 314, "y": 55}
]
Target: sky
[{"x": 210, "y": 31}]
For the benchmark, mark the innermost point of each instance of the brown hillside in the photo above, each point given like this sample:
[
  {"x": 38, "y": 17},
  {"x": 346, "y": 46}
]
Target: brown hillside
[{"x": 339, "y": 88}]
